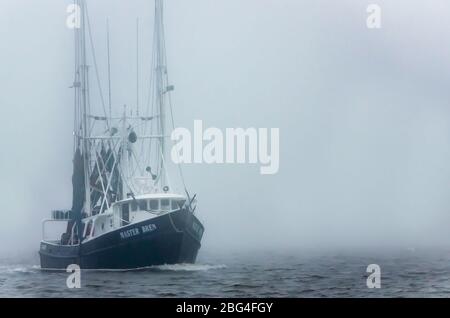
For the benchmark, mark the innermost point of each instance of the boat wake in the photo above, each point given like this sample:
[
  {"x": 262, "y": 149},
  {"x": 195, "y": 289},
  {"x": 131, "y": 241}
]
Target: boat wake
[
  {"x": 187, "y": 267},
  {"x": 183, "y": 267}
]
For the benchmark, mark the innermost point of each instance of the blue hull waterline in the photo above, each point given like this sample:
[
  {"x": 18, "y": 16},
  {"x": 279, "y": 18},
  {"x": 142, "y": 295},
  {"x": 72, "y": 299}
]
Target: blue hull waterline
[{"x": 166, "y": 239}]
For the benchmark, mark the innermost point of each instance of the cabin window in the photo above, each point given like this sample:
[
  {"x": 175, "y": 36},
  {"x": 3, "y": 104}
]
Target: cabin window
[
  {"x": 165, "y": 204},
  {"x": 134, "y": 205},
  {"x": 175, "y": 205},
  {"x": 143, "y": 205},
  {"x": 154, "y": 205}
]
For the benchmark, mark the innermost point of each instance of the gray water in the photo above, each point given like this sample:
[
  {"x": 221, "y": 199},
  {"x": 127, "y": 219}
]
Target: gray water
[{"x": 404, "y": 273}]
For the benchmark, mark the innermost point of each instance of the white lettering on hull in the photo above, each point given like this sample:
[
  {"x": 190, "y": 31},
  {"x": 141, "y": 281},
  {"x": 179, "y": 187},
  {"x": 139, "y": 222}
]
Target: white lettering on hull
[{"x": 135, "y": 231}]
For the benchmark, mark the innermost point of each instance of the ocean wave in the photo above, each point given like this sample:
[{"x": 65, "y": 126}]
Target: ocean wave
[{"x": 19, "y": 268}]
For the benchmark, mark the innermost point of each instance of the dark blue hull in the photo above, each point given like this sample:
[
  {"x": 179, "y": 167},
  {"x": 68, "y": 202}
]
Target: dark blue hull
[{"x": 166, "y": 239}]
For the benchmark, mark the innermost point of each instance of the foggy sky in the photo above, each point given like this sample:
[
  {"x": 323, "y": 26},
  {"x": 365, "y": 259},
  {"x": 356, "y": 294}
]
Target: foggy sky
[{"x": 364, "y": 115}]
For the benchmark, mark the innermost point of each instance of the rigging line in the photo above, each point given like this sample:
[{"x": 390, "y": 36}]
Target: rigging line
[
  {"x": 173, "y": 224},
  {"x": 146, "y": 152},
  {"x": 151, "y": 101},
  {"x": 109, "y": 67},
  {"x": 109, "y": 183},
  {"x": 178, "y": 155},
  {"x": 116, "y": 164},
  {"x": 180, "y": 170},
  {"x": 142, "y": 127},
  {"x": 111, "y": 155},
  {"x": 165, "y": 169},
  {"x": 122, "y": 175},
  {"x": 138, "y": 166},
  {"x": 105, "y": 190},
  {"x": 151, "y": 97},
  {"x": 95, "y": 64},
  {"x": 152, "y": 74},
  {"x": 97, "y": 72},
  {"x": 88, "y": 101},
  {"x": 125, "y": 180},
  {"x": 137, "y": 66}
]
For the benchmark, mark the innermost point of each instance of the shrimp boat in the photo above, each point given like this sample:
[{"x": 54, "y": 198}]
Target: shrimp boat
[{"x": 125, "y": 213}]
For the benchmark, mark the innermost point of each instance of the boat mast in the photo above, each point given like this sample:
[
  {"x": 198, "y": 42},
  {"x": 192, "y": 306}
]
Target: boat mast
[
  {"x": 160, "y": 89},
  {"x": 81, "y": 99}
]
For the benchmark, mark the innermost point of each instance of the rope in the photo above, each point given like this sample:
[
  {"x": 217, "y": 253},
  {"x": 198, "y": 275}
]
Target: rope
[
  {"x": 180, "y": 171},
  {"x": 173, "y": 224},
  {"x": 95, "y": 65}
]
